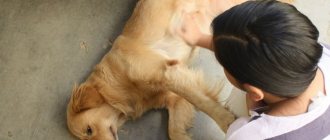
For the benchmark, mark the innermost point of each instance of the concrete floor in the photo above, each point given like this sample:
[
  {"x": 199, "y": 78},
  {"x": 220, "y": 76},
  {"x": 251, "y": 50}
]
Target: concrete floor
[{"x": 41, "y": 59}]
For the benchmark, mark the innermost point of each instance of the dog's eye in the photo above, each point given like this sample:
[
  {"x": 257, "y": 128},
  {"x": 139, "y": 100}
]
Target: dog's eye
[{"x": 89, "y": 131}]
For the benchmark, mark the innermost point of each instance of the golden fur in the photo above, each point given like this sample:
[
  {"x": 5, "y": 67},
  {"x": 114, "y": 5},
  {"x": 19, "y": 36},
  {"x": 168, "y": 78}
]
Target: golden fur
[{"x": 145, "y": 67}]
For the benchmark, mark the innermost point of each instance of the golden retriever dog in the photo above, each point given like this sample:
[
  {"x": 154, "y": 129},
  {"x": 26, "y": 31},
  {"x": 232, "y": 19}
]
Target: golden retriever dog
[
  {"x": 147, "y": 68},
  {"x": 132, "y": 78}
]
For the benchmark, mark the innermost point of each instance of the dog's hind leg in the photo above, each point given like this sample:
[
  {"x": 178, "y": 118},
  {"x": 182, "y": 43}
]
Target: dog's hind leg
[{"x": 181, "y": 115}]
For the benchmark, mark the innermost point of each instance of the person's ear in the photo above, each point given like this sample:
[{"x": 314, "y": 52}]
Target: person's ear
[{"x": 254, "y": 93}]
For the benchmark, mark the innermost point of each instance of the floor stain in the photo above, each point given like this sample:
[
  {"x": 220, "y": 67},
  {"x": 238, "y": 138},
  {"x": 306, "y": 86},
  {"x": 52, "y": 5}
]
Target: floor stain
[{"x": 10, "y": 134}]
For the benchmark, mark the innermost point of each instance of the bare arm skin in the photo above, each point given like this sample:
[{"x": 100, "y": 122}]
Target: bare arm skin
[{"x": 192, "y": 35}]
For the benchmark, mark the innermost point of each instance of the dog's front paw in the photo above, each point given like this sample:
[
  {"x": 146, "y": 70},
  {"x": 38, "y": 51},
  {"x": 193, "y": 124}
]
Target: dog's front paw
[{"x": 227, "y": 119}]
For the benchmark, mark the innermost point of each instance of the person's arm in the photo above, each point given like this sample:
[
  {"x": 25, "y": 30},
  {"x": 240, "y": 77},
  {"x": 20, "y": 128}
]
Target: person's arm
[
  {"x": 190, "y": 32},
  {"x": 205, "y": 41}
]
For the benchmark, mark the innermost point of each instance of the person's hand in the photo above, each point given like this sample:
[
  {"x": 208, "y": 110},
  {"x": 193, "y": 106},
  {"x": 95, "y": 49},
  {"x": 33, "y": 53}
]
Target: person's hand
[{"x": 189, "y": 31}]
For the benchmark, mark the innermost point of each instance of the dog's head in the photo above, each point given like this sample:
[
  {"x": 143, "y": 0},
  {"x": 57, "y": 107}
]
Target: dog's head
[{"x": 89, "y": 117}]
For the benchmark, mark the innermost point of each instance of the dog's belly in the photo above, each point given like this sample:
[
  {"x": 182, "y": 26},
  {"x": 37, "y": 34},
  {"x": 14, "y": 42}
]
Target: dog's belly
[{"x": 173, "y": 48}]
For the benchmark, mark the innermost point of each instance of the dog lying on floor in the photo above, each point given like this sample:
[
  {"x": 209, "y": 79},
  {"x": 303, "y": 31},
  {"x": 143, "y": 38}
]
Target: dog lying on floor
[{"x": 131, "y": 80}]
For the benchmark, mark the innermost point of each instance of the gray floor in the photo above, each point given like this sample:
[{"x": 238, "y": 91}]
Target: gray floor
[{"x": 41, "y": 59}]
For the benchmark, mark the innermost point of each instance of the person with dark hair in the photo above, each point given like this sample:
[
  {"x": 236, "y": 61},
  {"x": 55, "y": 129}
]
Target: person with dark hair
[{"x": 271, "y": 51}]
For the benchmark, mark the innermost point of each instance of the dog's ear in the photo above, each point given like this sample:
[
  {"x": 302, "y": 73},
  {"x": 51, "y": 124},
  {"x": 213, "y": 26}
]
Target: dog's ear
[
  {"x": 118, "y": 101},
  {"x": 85, "y": 97}
]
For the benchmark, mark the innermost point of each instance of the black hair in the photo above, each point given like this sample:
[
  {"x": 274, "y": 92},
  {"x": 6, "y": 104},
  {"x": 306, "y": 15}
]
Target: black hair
[{"x": 268, "y": 44}]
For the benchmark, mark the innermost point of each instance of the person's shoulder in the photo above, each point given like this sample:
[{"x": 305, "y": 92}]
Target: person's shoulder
[{"x": 245, "y": 128}]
